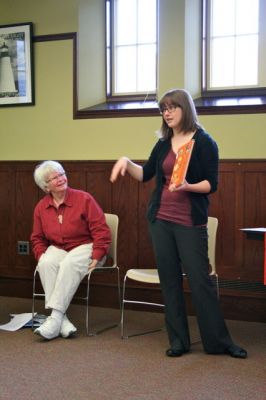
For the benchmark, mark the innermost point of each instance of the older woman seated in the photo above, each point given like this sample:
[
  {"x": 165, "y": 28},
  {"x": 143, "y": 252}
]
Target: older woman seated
[{"x": 70, "y": 235}]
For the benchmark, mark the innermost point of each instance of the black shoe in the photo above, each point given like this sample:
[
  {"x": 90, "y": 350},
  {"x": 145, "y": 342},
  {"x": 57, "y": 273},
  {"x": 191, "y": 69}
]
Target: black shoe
[
  {"x": 236, "y": 352},
  {"x": 175, "y": 352}
]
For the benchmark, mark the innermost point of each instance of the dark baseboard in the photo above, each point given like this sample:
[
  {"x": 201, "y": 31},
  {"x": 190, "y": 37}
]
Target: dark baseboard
[{"x": 234, "y": 306}]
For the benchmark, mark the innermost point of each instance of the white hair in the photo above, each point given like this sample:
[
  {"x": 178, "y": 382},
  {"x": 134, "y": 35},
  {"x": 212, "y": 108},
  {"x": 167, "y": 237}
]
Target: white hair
[{"x": 43, "y": 170}]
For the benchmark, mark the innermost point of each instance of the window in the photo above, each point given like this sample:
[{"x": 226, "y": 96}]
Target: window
[
  {"x": 122, "y": 75},
  {"x": 131, "y": 49},
  {"x": 234, "y": 51}
]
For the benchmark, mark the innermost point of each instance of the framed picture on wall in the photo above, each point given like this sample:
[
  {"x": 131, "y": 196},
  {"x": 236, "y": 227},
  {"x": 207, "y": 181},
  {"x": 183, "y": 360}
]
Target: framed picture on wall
[{"x": 16, "y": 65}]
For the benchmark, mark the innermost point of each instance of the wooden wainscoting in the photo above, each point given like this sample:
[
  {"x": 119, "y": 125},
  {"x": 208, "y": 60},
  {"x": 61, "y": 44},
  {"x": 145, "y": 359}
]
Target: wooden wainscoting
[{"x": 239, "y": 202}]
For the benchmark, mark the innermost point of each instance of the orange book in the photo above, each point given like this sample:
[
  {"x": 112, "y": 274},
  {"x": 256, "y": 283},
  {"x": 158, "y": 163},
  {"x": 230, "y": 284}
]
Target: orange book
[{"x": 181, "y": 163}]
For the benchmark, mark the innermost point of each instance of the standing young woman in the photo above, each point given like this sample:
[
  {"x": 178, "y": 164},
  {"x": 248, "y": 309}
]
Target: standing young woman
[{"x": 178, "y": 225}]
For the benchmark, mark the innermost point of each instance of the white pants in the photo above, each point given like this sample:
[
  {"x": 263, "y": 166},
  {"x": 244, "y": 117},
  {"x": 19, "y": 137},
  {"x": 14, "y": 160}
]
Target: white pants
[{"x": 61, "y": 273}]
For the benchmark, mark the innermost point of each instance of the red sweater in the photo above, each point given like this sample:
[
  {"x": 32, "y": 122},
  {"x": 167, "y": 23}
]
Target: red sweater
[{"x": 82, "y": 221}]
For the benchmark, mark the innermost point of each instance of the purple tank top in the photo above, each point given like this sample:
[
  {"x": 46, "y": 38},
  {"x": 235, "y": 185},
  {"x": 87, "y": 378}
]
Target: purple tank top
[{"x": 175, "y": 206}]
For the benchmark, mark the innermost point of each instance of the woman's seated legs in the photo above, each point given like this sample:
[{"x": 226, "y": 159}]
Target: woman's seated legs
[
  {"x": 61, "y": 273},
  {"x": 73, "y": 268},
  {"x": 48, "y": 267}
]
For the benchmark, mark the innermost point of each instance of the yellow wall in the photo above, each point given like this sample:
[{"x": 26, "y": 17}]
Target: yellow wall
[{"x": 48, "y": 131}]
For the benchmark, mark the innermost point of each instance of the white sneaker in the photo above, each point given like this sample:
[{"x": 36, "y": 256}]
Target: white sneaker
[
  {"x": 50, "y": 329},
  {"x": 67, "y": 328}
]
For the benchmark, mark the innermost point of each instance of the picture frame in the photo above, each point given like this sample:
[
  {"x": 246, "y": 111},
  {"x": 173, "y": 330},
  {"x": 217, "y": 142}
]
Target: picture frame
[{"x": 16, "y": 65}]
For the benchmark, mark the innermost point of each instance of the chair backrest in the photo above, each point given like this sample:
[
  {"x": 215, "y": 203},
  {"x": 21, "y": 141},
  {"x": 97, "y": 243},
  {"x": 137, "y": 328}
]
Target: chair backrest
[
  {"x": 112, "y": 221},
  {"x": 212, "y": 232}
]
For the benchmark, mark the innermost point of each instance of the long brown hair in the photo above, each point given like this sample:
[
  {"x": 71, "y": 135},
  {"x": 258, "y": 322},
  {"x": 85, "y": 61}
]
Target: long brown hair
[{"x": 180, "y": 98}]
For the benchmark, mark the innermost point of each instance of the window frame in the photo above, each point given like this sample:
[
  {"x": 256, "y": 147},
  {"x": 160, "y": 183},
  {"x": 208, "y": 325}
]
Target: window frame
[
  {"x": 238, "y": 94},
  {"x": 110, "y": 96}
]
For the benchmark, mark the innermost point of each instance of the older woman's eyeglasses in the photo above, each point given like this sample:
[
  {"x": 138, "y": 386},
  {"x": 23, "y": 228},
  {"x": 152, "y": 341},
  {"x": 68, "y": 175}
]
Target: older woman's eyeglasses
[
  {"x": 56, "y": 178},
  {"x": 170, "y": 108}
]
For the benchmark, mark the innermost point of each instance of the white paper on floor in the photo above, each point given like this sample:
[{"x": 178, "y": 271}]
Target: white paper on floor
[{"x": 23, "y": 320}]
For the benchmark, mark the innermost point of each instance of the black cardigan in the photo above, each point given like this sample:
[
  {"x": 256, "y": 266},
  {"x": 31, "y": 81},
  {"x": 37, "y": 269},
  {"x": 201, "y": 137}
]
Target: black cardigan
[{"x": 203, "y": 165}]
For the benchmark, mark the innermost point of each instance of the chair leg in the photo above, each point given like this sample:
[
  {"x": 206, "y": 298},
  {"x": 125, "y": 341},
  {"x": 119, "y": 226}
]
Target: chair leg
[
  {"x": 119, "y": 290},
  {"x": 32, "y": 312},
  {"x": 123, "y": 309},
  {"x": 87, "y": 304},
  {"x": 87, "y": 307},
  {"x": 33, "y": 302},
  {"x": 124, "y": 301}
]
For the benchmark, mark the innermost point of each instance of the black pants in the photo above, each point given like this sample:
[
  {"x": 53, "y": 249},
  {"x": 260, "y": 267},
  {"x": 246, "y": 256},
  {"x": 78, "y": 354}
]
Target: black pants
[{"x": 180, "y": 248}]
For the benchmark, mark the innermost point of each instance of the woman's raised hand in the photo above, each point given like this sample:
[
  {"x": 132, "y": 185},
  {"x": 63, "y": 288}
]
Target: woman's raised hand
[{"x": 119, "y": 168}]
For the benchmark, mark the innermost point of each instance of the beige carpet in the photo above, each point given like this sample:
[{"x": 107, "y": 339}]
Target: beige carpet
[{"x": 108, "y": 368}]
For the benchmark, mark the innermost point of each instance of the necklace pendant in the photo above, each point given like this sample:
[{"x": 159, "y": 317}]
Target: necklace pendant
[{"x": 60, "y": 218}]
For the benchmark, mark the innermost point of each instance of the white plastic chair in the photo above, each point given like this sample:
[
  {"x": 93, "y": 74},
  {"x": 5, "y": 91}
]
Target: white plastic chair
[{"x": 112, "y": 221}]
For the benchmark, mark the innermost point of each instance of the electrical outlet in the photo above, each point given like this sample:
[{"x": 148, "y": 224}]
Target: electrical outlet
[{"x": 23, "y": 248}]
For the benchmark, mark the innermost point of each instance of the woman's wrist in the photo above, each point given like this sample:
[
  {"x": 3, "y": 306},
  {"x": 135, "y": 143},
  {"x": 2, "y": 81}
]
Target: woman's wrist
[{"x": 200, "y": 187}]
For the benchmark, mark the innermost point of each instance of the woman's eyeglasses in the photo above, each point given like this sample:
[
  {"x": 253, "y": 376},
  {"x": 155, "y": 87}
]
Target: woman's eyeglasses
[
  {"x": 171, "y": 108},
  {"x": 55, "y": 178}
]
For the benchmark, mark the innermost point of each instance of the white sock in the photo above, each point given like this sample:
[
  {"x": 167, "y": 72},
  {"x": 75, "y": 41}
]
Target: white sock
[{"x": 57, "y": 314}]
